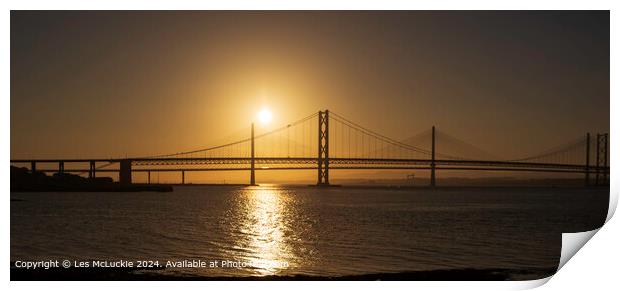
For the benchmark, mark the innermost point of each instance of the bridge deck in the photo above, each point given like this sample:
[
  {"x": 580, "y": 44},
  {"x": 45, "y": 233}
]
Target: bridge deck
[{"x": 288, "y": 163}]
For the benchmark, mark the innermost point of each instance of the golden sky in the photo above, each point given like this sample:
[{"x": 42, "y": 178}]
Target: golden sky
[{"x": 114, "y": 84}]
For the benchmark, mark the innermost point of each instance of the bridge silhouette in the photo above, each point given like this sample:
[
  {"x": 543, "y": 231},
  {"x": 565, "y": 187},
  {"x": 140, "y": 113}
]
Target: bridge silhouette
[{"x": 326, "y": 141}]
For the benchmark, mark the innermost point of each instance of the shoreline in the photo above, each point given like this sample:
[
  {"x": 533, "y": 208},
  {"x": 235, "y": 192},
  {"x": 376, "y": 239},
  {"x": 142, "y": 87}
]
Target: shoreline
[{"x": 135, "y": 274}]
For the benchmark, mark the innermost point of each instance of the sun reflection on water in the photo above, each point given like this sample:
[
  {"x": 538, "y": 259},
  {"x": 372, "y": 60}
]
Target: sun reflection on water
[{"x": 264, "y": 227}]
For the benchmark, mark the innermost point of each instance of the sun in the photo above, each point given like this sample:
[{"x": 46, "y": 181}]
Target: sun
[{"x": 264, "y": 116}]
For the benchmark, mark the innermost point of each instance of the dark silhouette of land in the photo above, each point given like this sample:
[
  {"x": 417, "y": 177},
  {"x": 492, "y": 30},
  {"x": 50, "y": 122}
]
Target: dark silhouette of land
[{"x": 24, "y": 180}]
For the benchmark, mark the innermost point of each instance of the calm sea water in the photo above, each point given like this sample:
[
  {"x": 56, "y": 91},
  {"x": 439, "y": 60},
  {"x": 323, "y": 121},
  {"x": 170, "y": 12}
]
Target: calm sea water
[{"x": 303, "y": 230}]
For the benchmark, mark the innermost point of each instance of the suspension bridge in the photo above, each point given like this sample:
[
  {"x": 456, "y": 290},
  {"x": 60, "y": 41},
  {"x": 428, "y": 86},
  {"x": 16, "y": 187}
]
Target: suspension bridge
[{"x": 326, "y": 141}]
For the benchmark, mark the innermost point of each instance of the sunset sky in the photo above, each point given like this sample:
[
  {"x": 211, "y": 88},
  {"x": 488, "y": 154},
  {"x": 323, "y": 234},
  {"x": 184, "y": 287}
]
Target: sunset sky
[{"x": 113, "y": 84}]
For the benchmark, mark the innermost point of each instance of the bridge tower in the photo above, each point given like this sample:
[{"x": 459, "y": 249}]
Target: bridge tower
[
  {"x": 252, "y": 176},
  {"x": 323, "y": 154},
  {"x": 433, "y": 157},
  {"x": 588, "y": 159},
  {"x": 601, "y": 158}
]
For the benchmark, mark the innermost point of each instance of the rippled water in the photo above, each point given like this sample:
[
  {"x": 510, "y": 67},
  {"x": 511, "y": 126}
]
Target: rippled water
[{"x": 304, "y": 230}]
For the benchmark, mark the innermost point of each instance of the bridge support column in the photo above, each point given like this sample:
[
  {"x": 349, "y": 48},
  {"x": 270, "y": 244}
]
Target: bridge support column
[
  {"x": 252, "y": 175},
  {"x": 182, "y": 177},
  {"x": 124, "y": 176},
  {"x": 433, "y": 158},
  {"x": 91, "y": 170},
  {"x": 323, "y": 154},
  {"x": 61, "y": 167},
  {"x": 148, "y": 177},
  {"x": 33, "y": 167}
]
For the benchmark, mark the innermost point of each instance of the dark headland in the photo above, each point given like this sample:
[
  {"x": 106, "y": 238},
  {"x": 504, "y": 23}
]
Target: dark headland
[{"x": 23, "y": 180}]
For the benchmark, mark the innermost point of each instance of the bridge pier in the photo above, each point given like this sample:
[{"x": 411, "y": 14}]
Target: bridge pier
[
  {"x": 433, "y": 158},
  {"x": 61, "y": 167},
  {"x": 182, "y": 177},
  {"x": 252, "y": 175},
  {"x": 33, "y": 167},
  {"x": 148, "y": 178},
  {"x": 124, "y": 175},
  {"x": 323, "y": 154}
]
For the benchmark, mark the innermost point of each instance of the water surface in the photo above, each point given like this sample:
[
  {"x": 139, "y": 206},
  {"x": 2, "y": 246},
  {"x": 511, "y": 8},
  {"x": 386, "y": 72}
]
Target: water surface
[{"x": 285, "y": 230}]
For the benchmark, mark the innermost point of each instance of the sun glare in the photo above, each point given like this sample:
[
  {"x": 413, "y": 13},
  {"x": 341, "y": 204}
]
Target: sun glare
[{"x": 264, "y": 116}]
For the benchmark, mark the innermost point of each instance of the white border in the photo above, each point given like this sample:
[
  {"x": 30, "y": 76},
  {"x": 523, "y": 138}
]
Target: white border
[{"x": 597, "y": 261}]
